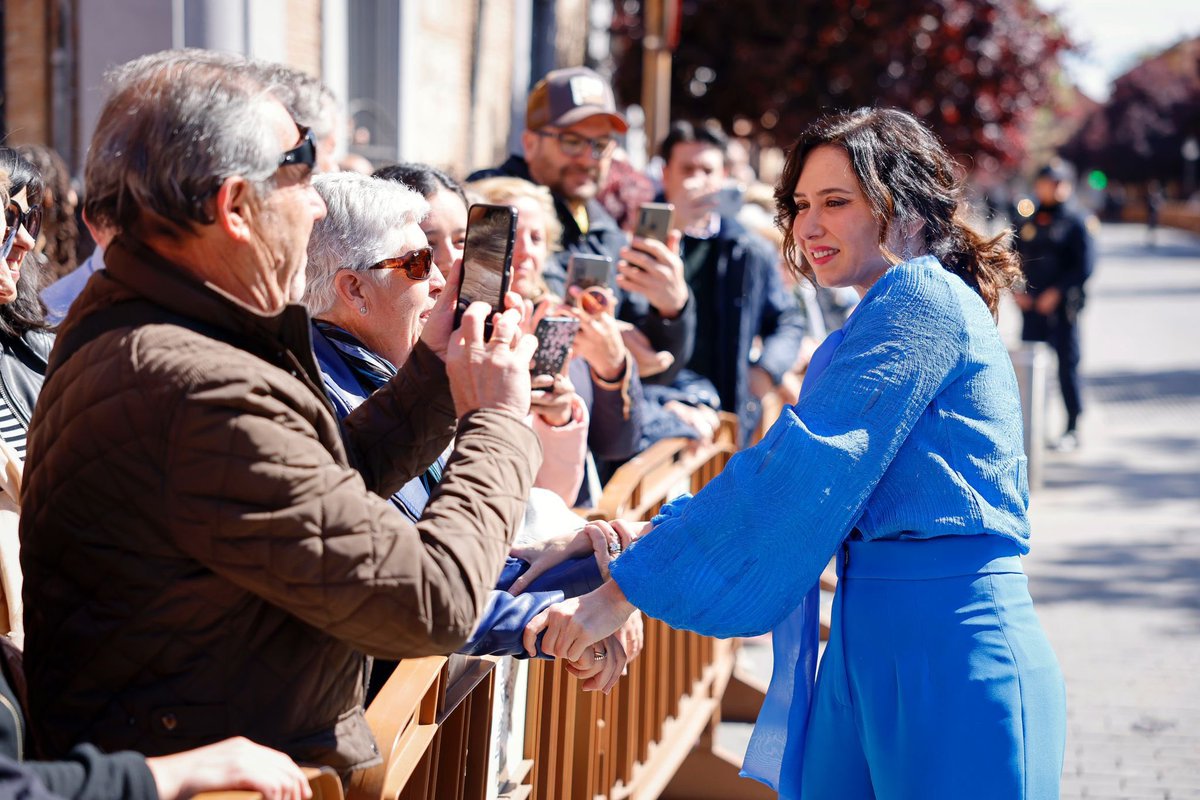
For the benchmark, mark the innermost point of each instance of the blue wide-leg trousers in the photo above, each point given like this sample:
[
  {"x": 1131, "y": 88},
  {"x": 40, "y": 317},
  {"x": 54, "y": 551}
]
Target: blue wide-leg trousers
[{"x": 938, "y": 681}]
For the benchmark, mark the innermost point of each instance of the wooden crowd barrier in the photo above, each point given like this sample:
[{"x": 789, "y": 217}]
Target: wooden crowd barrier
[
  {"x": 633, "y": 743},
  {"x": 432, "y": 720},
  {"x": 324, "y": 783}
]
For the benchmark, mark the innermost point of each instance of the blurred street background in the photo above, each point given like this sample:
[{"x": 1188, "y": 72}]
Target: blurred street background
[{"x": 1115, "y": 566}]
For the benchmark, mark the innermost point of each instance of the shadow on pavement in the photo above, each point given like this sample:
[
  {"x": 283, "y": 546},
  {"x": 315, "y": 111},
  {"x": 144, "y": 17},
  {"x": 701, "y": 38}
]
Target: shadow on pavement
[
  {"x": 1155, "y": 575},
  {"x": 1135, "y": 556},
  {"x": 1146, "y": 388},
  {"x": 1167, "y": 250},
  {"x": 1121, "y": 292},
  {"x": 1128, "y": 485}
]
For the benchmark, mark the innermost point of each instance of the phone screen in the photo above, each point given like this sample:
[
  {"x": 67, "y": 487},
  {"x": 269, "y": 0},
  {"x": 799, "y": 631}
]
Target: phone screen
[
  {"x": 654, "y": 221},
  {"x": 555, "y": 336},
  {"x": 586, "y": 271},
  {"x": 487, "y": 257}
]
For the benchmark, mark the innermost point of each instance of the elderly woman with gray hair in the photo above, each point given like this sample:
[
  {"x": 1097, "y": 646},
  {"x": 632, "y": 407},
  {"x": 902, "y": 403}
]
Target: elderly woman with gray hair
[{"x": 371, "y": 284}]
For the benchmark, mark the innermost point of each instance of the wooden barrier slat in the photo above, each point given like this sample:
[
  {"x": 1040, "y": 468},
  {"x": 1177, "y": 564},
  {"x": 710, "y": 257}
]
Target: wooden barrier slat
[{"x": 479, "y": 739}]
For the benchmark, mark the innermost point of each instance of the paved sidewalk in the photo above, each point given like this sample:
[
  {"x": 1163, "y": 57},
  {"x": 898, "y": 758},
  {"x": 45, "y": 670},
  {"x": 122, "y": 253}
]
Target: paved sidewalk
[{"x": 1115, "y": 567}]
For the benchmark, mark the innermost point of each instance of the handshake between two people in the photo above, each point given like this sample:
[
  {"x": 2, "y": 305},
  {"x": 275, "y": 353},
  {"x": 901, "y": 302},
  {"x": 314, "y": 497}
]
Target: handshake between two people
[{"x": 597, "y": 633}]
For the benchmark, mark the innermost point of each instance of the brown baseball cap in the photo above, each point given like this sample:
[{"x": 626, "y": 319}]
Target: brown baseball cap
[{"x": 567, "y": 96}]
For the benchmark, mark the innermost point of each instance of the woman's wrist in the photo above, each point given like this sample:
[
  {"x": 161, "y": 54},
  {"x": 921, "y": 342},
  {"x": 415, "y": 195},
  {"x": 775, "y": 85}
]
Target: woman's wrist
[
  {"x": 615, "y": 599},
  {"x": 552, "y": 421},
  {"x": 611, "y": 375}
]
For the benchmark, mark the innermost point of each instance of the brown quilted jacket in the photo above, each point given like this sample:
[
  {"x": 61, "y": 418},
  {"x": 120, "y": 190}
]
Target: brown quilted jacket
[{"x": 200, "y": 558}]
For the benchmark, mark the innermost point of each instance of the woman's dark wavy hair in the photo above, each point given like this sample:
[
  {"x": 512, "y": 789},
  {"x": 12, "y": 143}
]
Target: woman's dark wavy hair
[
  {"x": 26, "y": 311},
  {"x": 59, "y": 229},
  {"x": 422, "y": 179},
  {"x": 907, "y": 177}
]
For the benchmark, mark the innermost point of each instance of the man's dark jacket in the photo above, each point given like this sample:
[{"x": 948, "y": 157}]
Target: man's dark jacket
[
  {"x": 201, "y": 558},
  {"x": 749, "y": 300},
  {"x": 604, "y": 237},
  {"x": 1056, "y": 250}
]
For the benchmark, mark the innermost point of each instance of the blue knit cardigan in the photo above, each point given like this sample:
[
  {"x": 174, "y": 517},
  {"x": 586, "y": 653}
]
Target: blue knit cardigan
[{"x": 912, "y": 431}]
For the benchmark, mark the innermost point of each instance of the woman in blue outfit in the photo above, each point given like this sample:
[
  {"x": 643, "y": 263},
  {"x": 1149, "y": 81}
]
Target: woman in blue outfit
[{"x": 903, "y": 459}]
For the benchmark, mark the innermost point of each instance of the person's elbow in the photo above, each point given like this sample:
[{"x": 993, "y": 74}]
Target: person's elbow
[
  {"x": 443, "y": 623},
  {"x": 455, "y": 619}
]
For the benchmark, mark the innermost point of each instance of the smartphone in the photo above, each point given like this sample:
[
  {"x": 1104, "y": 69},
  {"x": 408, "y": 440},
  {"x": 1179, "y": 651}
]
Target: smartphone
[
  {"x": 729, "y": 201},
  {"x": 655, "y": 221},
  {"x": 487, "y": 259},
  {"x": 585, "y": 271},
  {"x": 555, "y": 336}
]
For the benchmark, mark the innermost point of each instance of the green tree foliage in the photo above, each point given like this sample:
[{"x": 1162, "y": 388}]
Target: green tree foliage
[{"x": 974, "y": 70}]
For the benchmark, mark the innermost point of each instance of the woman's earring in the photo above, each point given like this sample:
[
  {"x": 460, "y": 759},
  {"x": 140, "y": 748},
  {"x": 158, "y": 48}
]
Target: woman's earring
[
  {"x": 905, "y": 256},
  {"x": 362, "y": 309}
]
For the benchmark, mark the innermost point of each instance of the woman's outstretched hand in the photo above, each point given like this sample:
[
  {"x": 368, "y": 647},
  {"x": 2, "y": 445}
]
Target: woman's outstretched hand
[
  {"x": 577, "y": 623},
  {"x": 605, "y": 540}
]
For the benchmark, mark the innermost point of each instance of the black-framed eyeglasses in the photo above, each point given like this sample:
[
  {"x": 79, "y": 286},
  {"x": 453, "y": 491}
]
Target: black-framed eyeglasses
[
  {"x": 31, "y": 219},
  {"x": 304, "y": 153},
  {"x": 572, "y": 144},
  {"x": 417, "y": 264}
]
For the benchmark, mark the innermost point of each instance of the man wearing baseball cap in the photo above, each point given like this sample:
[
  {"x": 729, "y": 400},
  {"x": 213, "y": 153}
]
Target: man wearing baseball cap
[{"x": 571, "y": 125}]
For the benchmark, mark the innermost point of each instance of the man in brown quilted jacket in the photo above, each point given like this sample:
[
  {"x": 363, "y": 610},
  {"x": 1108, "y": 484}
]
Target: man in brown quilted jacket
[{"x": 206, "y": 552}]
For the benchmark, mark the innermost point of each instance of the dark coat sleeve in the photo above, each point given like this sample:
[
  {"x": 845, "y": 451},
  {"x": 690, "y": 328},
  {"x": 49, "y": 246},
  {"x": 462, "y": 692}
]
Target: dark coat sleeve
[
  {"x": 88, "y": 774},
  {"x": 502, "y": 627},
  {"x": 1078, "y": 256},
  {"x": 85, "y": 773},
  {"x": 616, "y": 416},
  {"x": 676, "y": 336},
  {"x": 401, "y": 429},
  {"x": 266, "y": 505},
  {"x": 17, "y": 782}
]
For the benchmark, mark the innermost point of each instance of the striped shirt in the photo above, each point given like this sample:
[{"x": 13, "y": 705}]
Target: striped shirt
[{"x": 11, "y": 429}]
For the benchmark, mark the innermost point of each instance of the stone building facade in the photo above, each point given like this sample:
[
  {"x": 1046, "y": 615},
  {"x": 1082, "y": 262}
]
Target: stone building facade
[{"x": 442, "y": 82}]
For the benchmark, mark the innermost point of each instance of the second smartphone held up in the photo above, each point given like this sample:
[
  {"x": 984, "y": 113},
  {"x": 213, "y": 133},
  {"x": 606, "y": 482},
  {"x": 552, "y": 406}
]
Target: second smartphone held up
[
  {"x": 655, "y": 221},
  {"x": 487, "y": 259},
  {"x": 585, "y": 271}
]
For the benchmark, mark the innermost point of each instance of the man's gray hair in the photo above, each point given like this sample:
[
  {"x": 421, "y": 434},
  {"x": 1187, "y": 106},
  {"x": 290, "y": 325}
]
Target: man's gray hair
[
  {"x": 362, "y": 214},
  {"x": 176, "y": 125},
  {"x": 310, "y": 102}
]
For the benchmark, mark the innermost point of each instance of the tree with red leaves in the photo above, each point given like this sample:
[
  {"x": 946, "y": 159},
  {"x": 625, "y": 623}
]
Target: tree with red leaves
[
  {"x": 1138, "y": 134},
  {"x": 974, "y": 70}
]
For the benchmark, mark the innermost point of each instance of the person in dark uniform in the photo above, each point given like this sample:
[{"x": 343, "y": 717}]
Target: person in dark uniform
[{"x": 1057, "y": 254}]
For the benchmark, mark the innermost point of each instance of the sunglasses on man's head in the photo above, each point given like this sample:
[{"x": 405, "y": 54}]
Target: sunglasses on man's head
[
  {"x": 304, "y": 153},
  {"x": 417, "y": 264},
  {"x": 31, "y": 219}
]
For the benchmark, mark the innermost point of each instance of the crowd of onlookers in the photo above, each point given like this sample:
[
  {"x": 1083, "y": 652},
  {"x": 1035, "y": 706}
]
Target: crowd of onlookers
[{"x": 267, "y": 460}]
